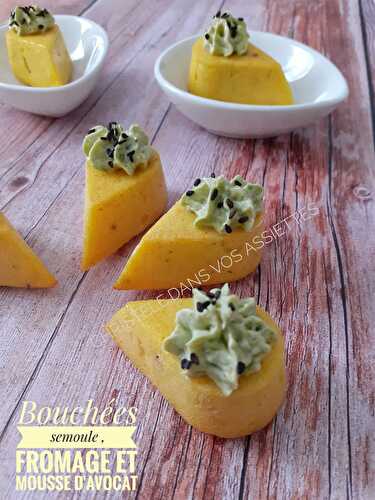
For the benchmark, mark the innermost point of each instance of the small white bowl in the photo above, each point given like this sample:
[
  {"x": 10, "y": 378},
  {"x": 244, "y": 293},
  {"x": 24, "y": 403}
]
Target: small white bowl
[
  {"x": 318, "y": 87},
  {"x": 87, "y": 44}
]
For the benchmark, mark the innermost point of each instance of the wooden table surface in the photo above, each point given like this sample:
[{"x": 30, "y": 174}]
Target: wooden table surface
[{"x": 317, "y": 280}]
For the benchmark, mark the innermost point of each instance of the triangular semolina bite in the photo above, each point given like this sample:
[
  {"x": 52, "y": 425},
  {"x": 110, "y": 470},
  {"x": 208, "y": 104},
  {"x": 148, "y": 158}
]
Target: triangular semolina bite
[
  {"x": 19, "y": 265},
  {"x": 36, "y": 48},
  {"x": 141, "y": 328},
  {"x": 119, "y": 203},
  {"x": 259, "y": 78},
  {"x": 118, "y": 207},
  {"x": 177, "y": 250},
  {"x": 226, "y": 67}
]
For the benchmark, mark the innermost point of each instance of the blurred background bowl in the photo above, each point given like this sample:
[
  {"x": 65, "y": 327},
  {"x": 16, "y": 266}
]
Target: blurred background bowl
[
  {"x": 87, "y": 44},
  {"x": 317, "y": 84}
]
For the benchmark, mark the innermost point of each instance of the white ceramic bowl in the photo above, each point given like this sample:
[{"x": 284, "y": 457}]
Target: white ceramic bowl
[
  {"x": 87, "y": 44},
  {"x": 318, "y": 87}
]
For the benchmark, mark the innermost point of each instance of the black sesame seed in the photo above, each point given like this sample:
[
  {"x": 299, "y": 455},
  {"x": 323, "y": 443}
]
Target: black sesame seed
[
  {"x": 230, "y": 203},
  {"x": 240, "y": 367},
  {"x": 227, "y": 228},
  {"x": 232, "y": 306},
  {"x": 91, "y": 131},
  {"x": 213, "y": 175},
  {"x": 189, "y": 193},
  {"x": 131, "y": 155},
  {"x": 124, "y": 136},
  {"x": 237, "y": 183},
  {"x": 110, "y": 163},
  {"x": 197, "y": 182},
  {"x": 207, "y": 36},
  {"x": 194, "y": 358},
  {"x": 240, "y": 18},
  {"x": 220, "y": 204},
  {"x": 225, "y": 15},
  {"x": 218, "y": 14},
  {"x": 218, "y": 293},
  {"x": 40, "y": 26},
  {"x": 232, "y": 213},
  {"x": 201, "y": 306},
  {"x": 243, "y": 219},
  {"x": 210, "y": 295},
  {"x": 185, "y": 364},
  {"x": 214, "y": 194},
  {"x": 104, "y": 138}
]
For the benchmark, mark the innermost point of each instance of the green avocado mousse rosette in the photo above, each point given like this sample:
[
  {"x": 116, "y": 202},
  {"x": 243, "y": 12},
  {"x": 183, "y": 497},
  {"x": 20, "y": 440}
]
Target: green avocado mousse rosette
[
  {"x": 30, "y": 20},
  {"x": 221, "y": 336},
  {"x": 226, "y": 35},
  {"x": 223, "y": 204},
  {"x": 113, "y": 147}
]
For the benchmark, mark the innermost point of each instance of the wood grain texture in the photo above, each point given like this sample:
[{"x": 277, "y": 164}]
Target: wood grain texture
[
  {"x": 72, "y": 7},
  {"x": 316, "y": 280}
]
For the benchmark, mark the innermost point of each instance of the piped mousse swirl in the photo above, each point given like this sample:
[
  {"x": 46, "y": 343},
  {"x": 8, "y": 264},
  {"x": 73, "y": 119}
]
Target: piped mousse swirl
[
  {"x": 224, "y": 205},
  {"x": 113, "y": 147},
  {"x": 30, "y": 20},
  {"x": 226, "y": 35},
  {"x": 221, "y": 337}
]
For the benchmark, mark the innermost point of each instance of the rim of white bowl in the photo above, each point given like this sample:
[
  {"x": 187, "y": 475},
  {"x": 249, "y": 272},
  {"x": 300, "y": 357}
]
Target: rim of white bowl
[
  {"x": 213, "y": 103},
  {"x": 78, "y": 81}
]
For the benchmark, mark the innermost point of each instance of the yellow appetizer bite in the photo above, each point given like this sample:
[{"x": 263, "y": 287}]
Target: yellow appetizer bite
[
  {"x": 19, "y": 266},
  {"x": 36, "y": 48},
  {"x": 217, "y": 359},
  {"x": 205, "y": 238},
  {"x": 125, "y": 189},
  {"x": 226, "y": 67}
]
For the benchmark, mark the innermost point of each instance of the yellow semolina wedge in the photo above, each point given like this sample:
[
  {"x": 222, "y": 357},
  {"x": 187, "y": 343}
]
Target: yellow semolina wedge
[
  {"x": 253, "y": 78},
  {"x": 19, "y": 266},
  {"x": 140, "y": 328},
  {"x": 41, "y": 59},
  {"x": 175, "y": 251},
  {"x": 120, "y": 206}
]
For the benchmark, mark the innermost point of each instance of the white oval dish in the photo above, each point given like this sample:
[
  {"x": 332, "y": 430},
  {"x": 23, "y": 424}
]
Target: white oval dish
[
  {"x": 87, "y": 44},
  {"x": 318, "y": 87}
]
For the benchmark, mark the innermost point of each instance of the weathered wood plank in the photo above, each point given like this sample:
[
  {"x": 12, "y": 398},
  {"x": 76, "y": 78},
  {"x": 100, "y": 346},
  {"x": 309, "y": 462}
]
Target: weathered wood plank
[
  {"x": 73, "y": 7},
  {"x": 351, "y": 202},
  {"x": 367, "y": 14}
]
